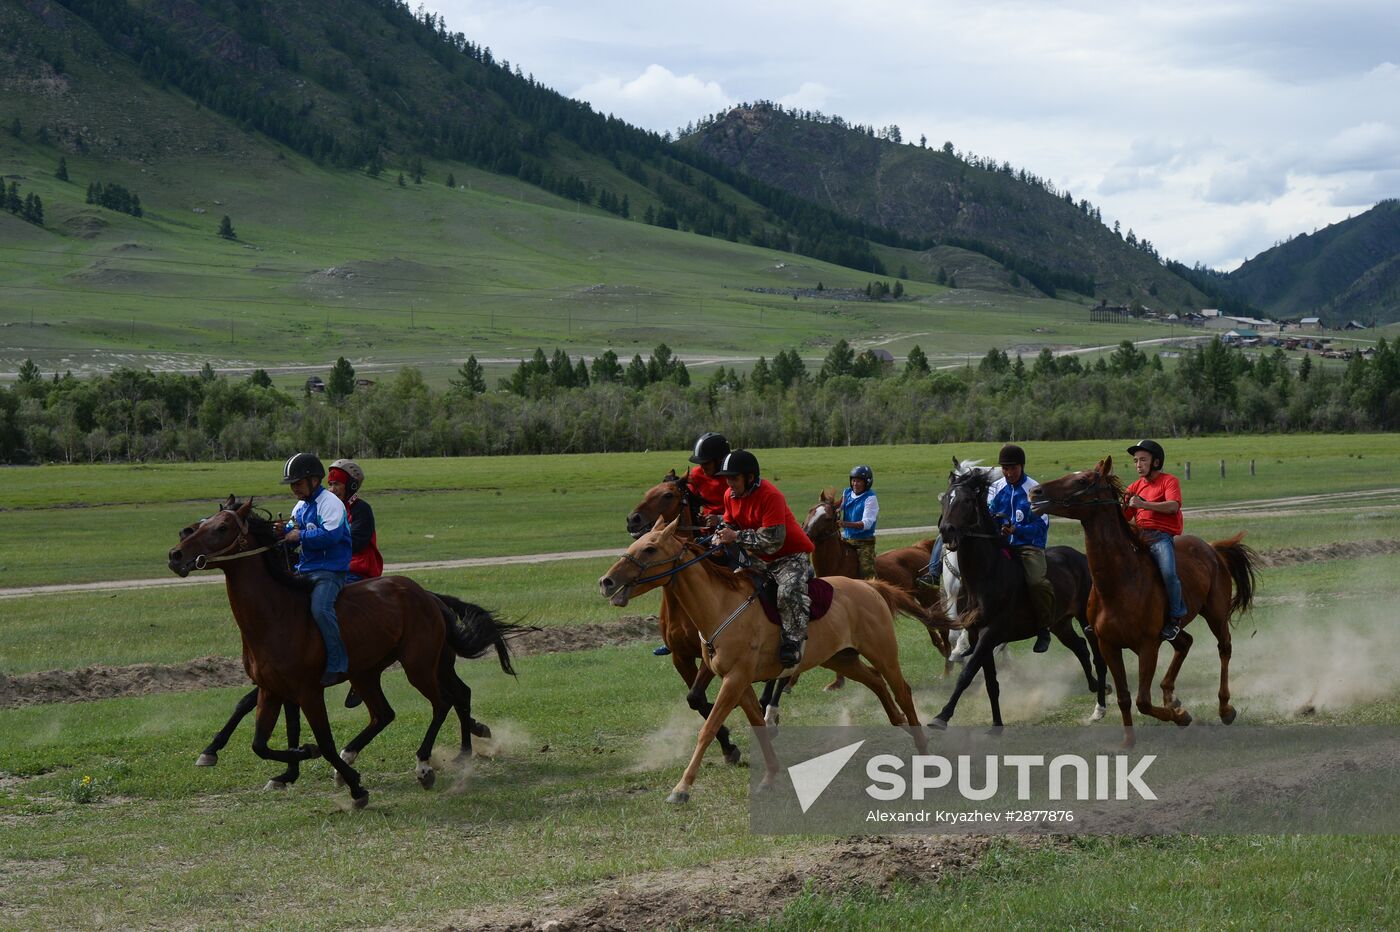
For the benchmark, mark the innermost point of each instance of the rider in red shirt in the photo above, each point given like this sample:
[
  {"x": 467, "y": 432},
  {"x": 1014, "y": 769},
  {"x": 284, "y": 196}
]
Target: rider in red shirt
[
  {"x": 710, "y": 450},
  {"x": 757, "y": 518},
  {"x": 1153, "y": 504}
]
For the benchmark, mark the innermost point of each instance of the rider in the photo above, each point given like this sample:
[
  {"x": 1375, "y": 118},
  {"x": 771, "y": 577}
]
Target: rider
[
  {"x": 709, "y": 452},
  {"x": 757, "y": 517},
  {"x": 318, "y": 524},
  {"x": 859, "y": 511},
  {"x": 344, "y": 478},
  {"x": 1153, "y": 503},
  {"x": 1025, "y": 531}
]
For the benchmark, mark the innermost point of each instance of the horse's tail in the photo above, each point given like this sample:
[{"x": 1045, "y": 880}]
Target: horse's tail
[
  {"x": 472, "y": 630},
  {"x": 1242, "y": 563},
  {"x": 900, "y": 602}
]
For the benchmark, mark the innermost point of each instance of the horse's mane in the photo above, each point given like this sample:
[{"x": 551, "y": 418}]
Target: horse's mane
[
  {"x": 739, "y": 582},
  {"x": 1133, "y": 534},
  {"x": 275, "y": 560}
]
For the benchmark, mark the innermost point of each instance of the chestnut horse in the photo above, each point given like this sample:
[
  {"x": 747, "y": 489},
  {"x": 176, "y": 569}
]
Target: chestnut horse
[
  {"x": 741, "y": 644},
  {"x": 997, "y": 603},
  {"x": 667, "y": 500},
  {"x": 1128, "y": 604},
  {"x": 900, "y": 567},
  {"x": 383, "y": 620}
]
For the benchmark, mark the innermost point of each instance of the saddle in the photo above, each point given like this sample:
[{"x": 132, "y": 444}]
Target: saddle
[{"x": 819, "y": 591}]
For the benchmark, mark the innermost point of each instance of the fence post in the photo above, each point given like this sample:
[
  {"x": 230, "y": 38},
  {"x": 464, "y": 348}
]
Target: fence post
[
  {"x": 1222, "y": 469},
  {"x": 1251, "y": 467},
  {"x": 1188, "y": 470}
]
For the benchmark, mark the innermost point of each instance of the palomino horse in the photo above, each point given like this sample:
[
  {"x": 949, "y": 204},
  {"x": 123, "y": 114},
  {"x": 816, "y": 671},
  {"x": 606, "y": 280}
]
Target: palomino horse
[
  {"x": 387, "y": 619},
  {"x": 742, "y": 645},
  {"x": 1128, "y": 605},
  {"x": 998, "y": 605},
  {"x": 667, "y": 500},
  {"x": 899, "y": 567}
]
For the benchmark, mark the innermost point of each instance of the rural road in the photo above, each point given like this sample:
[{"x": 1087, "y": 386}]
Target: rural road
[{"x": 1271, "y": 507}]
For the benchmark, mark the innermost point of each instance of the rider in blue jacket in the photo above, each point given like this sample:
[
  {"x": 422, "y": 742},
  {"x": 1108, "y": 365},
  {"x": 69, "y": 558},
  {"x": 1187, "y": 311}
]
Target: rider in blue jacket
[
  {"x": 319, "y": 525},
  {"x": 1025, "y": 533},
  {"x": 860, "y": 510}
]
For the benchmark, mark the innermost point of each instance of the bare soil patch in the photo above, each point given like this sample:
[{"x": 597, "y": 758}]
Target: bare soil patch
[
  {"x": 111, "y": 682},
  {"x": 1342, "y": 550}
]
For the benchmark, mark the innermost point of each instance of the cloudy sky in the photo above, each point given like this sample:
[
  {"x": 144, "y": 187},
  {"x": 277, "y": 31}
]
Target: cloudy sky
[{"x": 1214, "y": 129}]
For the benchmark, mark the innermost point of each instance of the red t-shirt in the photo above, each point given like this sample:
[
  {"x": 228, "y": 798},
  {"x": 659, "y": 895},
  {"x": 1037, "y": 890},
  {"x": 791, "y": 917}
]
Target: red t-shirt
[
  {"x": 1164, "y": 488},
  {"x": 709, "y": 489},
  {"x": 766, "y": 507}
]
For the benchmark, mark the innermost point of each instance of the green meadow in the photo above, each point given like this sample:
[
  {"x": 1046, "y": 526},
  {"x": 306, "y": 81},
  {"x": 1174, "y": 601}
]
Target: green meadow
[{"x": 104, "y": 822}]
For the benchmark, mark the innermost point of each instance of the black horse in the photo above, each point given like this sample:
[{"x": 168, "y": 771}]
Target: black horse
[{"x": 998, "y": 604}]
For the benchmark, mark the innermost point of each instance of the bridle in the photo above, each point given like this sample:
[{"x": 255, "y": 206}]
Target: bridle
[
  {"x": 996, "y": 535},
  {"x": 676, "y": 558},
  {"x": 831, "y": 533},
  {"x": 223, "y": 556},
  {"x": 1073, "y": 497}
]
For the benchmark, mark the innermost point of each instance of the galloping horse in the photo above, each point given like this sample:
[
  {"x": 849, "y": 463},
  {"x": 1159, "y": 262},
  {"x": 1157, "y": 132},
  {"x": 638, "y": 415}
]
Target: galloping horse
[
  {"x": 386, "y": 619},
  {"x": 998, "y": 603},
  {"x": 899, "y": 567},
  {"x": 1128, "y": 604},
  {"x": 742, "y": 645},
  {"x": 666, "y": 501}
]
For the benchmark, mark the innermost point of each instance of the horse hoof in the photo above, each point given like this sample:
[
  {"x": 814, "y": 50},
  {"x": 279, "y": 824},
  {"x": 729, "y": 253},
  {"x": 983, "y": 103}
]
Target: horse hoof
[
  {"x": 207, "y": 760},
  {"x": 1099, "y": 712},
  {"x": 1184, "y": 719},
  {"x": 938, "y": 724},
  {"x": 479, "y": 730},
  {"x": 763, "y": 789},
  {"x": 1228, "y": 716},
  {"x": 834, "y": 685},
  {"x": 311, "y": 751},
  {"x": 361, "y": 801},
  {"x": 276, "y": 785},
  {"x": 678, "y": 797},
  {"x": 771, "y": 716},
  {"x": 731, "y": 756},
  {"x": 994, "y": 731},
  {"x": 426, "y": 775}
]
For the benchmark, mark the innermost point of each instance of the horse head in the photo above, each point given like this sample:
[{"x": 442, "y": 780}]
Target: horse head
[
  {"x": 633, "y": 573},
  {"x": 822, "y": 518},
  {"x": 964, "y": 503},
  {"x": 225, "y": 531},
  {"x": 662, "y": 501},
  {"x": 1075, "y": 495}
]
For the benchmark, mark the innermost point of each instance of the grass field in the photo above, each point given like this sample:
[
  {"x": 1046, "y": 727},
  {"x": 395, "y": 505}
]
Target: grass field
[{"x": 570, "y": 806}]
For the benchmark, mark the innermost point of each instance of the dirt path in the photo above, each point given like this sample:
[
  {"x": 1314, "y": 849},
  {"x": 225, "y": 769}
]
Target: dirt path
[{"x": 1384, "y": 499}]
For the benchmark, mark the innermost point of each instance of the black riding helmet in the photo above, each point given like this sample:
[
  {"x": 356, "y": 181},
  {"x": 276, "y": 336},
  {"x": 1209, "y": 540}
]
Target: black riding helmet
[
  {"x": 740, "y": 463},
  {"x": 302, "y": 466},
  {"x": 1011, "y": 455},
  {"x": 709, "y": 446},
  {"x": 1153, "y": 449},
  {"x": 864, "y": 472}
]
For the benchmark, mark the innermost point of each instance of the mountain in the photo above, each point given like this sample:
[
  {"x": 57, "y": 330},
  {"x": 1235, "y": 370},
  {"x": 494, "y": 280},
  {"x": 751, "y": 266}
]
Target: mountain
[
  {"x": 939, "y": 196},
  {"x": 1349, "y": 270}
]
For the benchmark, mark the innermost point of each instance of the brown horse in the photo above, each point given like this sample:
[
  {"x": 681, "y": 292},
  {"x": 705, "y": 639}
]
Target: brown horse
[
  {"x": 383, "y": 620},
  {"x": 900, "y": 567},
  {"x": 742, "y": 645},
  {"x": 1128, "y": 603},
  {"x": 667, "y": 500}
]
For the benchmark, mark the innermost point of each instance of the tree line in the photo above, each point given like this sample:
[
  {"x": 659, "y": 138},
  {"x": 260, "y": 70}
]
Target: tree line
[{"x": 557, "y": 404}]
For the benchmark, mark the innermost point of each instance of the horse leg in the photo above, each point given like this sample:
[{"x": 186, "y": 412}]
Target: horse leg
[
  {"x": 1147, "y": 668},
  {"x": 754, "y": 712},
  {"x": 1220, "y": 627},
  {"x": 1114, "y": 659},
  {"x": 427, "y": 679},
  {"x": 850, "y": 665},
  {"x": 989, "y": 678},
  {"x": 884, "y": 660},
  {"x": 1180, "y": 647},
  {"x": 699, "y": 682},
  {"x": 1100, "y": 672},
  {"x": 773, "y": 691},
  {"x": 460, "y": 695},
  {"x": 985, "y": 644},
  {"x": 313, "y": 704},
  {"x": 209, "y": 757},
  {"x": 731, "y": 690},
  {"x": 380, "y": 715},
  {"x": 268, "y": 711}
]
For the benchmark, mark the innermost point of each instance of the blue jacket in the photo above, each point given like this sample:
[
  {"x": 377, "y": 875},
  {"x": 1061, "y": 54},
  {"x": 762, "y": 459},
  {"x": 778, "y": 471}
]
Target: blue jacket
[
  {"x": 325, "y": 534},
  {"x": 864, "y": 507},
  {"x": 1011, "y": 504}
]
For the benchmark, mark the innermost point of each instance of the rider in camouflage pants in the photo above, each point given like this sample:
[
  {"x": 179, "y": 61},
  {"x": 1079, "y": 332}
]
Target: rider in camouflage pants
[{"x": 794, "y": 605}]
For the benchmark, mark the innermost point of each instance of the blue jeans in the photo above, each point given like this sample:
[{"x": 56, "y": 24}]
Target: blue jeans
[
  {"x": 1164, "y": 555},
  {"x": 328, "y": 586},
  {"x": 935, "y": 560}
]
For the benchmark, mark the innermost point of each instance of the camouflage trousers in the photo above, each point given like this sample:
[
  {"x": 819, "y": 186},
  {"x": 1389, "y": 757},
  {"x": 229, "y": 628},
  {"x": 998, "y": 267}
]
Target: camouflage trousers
[
  {"x": 865, "y": 552},
  {"x": 794, "y": 605}
]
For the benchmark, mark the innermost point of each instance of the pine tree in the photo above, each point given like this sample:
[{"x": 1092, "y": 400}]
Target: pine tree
[
  {"x": 580, "y": 374},
  {"x": 92, "y": 192},
  {"x": 451, "y": 181},
  {"x": 226, "y": 228},
  {"x": 260, "y": 378},
  {"x": 898, "y": 290},
  {"x": 1305, "y": 368},
  {"x": 471, "y": 379},
  {"x": 636, "y": 374},
  {"x": 12, "y": 202},
  {"x": 916, "y": 365},
  {"x": 401, "y": 181},
  {"x": 839, "y": 361},
  {"x": 606, "y": 368},
  {"x": 342, "y": 381},
  {"x": 761, "y": 377},
  {"x": 62, "y": 173},
  {"x": 29, "y": 373}
]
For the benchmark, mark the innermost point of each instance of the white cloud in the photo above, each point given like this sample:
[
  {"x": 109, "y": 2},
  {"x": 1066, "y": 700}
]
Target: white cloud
[
  {"x": 812, "y": 95},
  {"x": 1368, "y": 146},
  {"x": 1245, "y": 182},
  {"x": 655, "y": 98}
]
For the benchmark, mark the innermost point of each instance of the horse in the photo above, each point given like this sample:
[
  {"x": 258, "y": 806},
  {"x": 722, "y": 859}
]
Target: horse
[
  {"x": 998, "y": 603},
  {"x": 1128, "y": 604},
  {"x": 667, "y": 500},
  {"x": 741, "y": 645},
  {"x": 383, "y": 620},
  {"x": 899, "y": 567}
]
